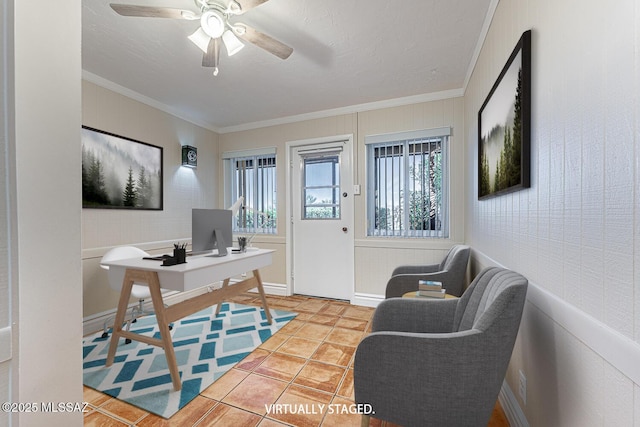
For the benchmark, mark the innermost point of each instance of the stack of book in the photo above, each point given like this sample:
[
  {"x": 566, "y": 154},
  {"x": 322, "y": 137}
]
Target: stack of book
[{"x": 430, "y": 289}]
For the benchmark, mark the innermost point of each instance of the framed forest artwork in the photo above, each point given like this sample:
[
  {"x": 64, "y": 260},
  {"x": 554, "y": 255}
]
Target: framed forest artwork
[
  {"x": 504, "y": 122},
  {"x": 119, "y": 172}
]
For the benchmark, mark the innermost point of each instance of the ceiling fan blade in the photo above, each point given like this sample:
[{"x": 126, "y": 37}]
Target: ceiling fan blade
[
  {"x": 212, "y": 57},
  {"x": 250, "y": 4},
  {"x": 152, "y": 11},
  {"x": 265, "y": 42}
]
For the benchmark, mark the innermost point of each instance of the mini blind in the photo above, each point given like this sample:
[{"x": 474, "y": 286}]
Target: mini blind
[
  {"x": 407, "y": 192},
  {"x": 252, "y": 175}
]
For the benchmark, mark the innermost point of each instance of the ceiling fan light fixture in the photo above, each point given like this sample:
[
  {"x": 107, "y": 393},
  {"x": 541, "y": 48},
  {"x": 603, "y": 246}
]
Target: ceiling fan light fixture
[
  {"x": 200, "y": 39},
  {"x": 213, "y": 23},
  {"x": 234, "y": 8},
  {"x": 188, "y": 15},
  {"x": 239, "y": 29},
  {"x": 232, "y": 43}
]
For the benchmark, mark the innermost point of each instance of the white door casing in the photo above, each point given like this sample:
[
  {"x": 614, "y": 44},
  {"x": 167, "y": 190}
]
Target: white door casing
[{"x": 320, "y": 240}]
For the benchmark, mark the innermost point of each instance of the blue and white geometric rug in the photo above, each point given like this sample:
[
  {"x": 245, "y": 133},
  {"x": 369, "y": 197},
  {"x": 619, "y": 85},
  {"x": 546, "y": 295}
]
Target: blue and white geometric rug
[{"x": 206, "y": 347}]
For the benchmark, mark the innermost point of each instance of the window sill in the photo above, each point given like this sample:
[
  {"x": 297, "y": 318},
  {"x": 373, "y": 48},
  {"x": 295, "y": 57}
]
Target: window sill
[{"x": 406, "y": 243}]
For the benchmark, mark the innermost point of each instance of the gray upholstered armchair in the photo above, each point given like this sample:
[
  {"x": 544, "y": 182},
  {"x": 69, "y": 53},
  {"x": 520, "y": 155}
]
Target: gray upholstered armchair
[
  {"x": 451, "y": 272},
  {"x": 441, "y": 363}
]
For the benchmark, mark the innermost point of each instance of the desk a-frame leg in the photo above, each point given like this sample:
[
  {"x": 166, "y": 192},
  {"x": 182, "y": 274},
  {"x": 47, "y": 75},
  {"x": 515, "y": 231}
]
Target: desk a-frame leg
[
  {"x": 151, "y": 279},
  {"x": 125, "y": 295},
  {"x": 219, "y": 305},
  {"x": 248, "y": 284},
  {"x": 165, "y": 333},
  {"x": 256, "y": 274}
]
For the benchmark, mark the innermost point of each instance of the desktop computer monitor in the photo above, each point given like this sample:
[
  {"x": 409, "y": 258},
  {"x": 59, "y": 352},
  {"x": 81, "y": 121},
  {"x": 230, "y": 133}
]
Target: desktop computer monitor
[{"x": 211, "y": 229}]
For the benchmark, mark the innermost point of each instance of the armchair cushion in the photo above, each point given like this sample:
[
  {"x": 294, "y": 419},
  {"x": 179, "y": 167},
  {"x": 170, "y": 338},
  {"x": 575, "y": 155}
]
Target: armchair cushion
[{"x": 414, "y": 315}]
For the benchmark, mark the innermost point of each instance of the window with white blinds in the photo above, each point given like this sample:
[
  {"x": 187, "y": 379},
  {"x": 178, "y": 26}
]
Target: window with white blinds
[
  {"x": 408, "y": 184},
  {"x": 252, "y": 175}
]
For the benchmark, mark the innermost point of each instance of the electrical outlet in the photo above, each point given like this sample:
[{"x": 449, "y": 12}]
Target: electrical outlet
[{"x": 522, "y": 387}]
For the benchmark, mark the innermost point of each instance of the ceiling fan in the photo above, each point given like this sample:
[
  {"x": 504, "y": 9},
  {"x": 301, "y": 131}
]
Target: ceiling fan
[{"x": 215, "y": 27}]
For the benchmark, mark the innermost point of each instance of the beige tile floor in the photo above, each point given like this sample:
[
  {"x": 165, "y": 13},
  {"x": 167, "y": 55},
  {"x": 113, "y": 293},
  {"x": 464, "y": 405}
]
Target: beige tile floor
[{"x": 308, "y": 362}]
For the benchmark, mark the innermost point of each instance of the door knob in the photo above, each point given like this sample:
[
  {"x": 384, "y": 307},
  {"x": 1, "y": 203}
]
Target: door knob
[{"x": 345, "y": 229}]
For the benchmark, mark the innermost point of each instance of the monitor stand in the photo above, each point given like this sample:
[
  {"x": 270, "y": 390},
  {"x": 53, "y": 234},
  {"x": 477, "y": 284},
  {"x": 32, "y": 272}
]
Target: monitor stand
[{"x": 222, "y": 245}]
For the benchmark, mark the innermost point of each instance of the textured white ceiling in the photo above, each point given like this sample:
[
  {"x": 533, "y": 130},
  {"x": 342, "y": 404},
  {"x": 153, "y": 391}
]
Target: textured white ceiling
[{"x": 346, "y": 53}]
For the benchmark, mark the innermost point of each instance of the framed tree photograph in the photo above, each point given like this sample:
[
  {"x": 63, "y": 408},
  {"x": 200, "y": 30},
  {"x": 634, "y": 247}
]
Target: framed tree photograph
[
  {"x": 119, "y": 172},
  {"x": 504, "y": 123}
]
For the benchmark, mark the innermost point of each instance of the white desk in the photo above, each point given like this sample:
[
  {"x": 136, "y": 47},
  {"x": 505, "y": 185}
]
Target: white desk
[{"x": 197, "y": 272}]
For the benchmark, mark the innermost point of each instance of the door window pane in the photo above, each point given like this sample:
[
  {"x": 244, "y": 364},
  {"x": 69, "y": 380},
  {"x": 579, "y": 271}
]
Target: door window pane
[{"x": 321, "y": 187}]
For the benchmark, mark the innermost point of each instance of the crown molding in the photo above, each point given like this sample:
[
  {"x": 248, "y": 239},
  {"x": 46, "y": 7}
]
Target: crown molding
[
  {"x": 481, "y": 39},
  {"x": 389, "y": 103},
  {"x": 359, "y": 108},
  {"x": 114, "y": 87}
]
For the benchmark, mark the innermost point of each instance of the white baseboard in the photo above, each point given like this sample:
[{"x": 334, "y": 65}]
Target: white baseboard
[
  {"x": 278, "y": 289},
  {"x": 511, "y": 408},
  {"x": 367, "y": 300}
]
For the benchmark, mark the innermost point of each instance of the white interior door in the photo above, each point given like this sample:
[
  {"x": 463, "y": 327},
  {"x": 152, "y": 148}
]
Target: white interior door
[{"x": 322, "y": 220}]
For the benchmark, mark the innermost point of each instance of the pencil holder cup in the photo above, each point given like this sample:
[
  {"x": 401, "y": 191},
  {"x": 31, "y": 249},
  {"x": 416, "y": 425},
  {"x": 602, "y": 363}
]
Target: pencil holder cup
[
  {"x": 242, "y": 243},
  {"x": 180, "y": 254}
]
